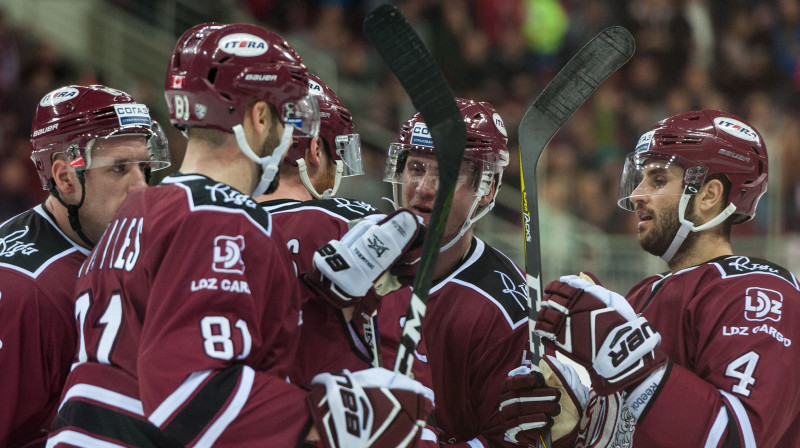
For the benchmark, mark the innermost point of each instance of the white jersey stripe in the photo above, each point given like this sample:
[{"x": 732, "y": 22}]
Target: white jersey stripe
[
  {"x": 242, "y": 394},
  {"x": 717, "y": 429},
  {"x": 75, "y": 438},
  {"x": 742, "y": 419},
  {"x": 105, "y": 396},
  {"x": 178, "y": 397}
]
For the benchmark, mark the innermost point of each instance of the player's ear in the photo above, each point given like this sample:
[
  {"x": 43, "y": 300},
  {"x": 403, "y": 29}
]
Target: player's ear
[
  {"x": 314, "y": 151},
  {"x": 709, "y": 199},
  {"x": 63, "y": 176},
  {"x": 260, "y": 116}
]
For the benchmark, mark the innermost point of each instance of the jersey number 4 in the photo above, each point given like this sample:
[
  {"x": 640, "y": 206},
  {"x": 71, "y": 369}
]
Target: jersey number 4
[{"x": 742, "y": 368}]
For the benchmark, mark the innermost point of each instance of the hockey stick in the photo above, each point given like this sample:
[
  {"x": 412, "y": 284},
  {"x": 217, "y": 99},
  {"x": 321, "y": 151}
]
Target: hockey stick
[
  {"x": 409, "y": 59},
  {"x": 594, "y": 63}
]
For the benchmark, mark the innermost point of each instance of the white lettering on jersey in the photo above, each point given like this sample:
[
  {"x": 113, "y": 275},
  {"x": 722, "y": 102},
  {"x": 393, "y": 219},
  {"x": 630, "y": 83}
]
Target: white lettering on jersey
[
  {"x": 129, "y": 252},
  {"x": 215, "y": 284},
  {"x": 743, "y": 264},
  {"x": 224, "y": 193},
  {"x": 10, "y": 245}
]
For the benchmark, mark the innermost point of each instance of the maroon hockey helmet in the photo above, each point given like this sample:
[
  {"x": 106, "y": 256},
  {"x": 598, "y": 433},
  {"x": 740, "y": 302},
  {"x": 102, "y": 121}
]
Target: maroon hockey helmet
[
  {"x": 216, "y": 70},
  {"x": 704, "y": 143},
  {"x": 69, "y": 119},
  {"x": 487, "y": 139},
  {"x": 336, "y": 129}
]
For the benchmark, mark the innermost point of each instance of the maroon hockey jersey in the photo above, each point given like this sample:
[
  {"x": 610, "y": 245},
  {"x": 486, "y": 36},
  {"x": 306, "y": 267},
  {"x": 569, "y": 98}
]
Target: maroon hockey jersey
[
  {"x": 38, "y": 268},
  {"x": 188, "y": 316},
  {"x": 475, "y": 331},
  {"x": 328, "y": 343},
  {"x": 730, "y": 326}
]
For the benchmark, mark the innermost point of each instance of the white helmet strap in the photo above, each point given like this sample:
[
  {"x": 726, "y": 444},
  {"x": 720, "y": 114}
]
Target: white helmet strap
[
  {"x": 269, "y": 164},
  {"x": 688, "y": 226},
  {"x": 330, "y": 192}
]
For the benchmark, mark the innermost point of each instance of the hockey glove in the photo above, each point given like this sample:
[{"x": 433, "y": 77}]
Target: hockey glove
[
  {"x": 345, "y": 270},
  {"x": 374, "y": 407},
  {"x": 537, "y": 400},
  {"x": 599, "y": 330}
]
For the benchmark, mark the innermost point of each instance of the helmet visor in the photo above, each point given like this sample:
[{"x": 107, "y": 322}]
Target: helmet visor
[
  {"x": 409, "y": 165},
  {"x": 348, "y": 149},
  {"x": 146, "y": 147},
  {"x": 303, "y": 114},
  {"x": 652, "y": 174}
]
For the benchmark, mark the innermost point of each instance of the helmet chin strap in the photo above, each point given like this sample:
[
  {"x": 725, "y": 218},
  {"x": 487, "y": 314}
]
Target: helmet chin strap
[
  {"x": 269, "y": 164},
  {"x": 688, "y": 226},
  {"x": 72, "y": 209},
  {"x": 330, "y": 192},
  {"x": 483, "y": 190}
]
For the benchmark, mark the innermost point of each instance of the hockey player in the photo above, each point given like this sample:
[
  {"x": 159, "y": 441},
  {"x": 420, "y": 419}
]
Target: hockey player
[
  {"x": 704, "y": 353},
  {"x": 475, "y": 326},
  {"x": 189, "y": 308},
  {"x": 309, "y": 178},
  {"x": 92, "y": 146}
]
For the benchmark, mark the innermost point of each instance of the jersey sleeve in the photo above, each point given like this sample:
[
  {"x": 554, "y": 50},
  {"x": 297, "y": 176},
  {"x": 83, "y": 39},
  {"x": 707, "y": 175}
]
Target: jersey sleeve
[
  {"x": 735, "y": 386},
  {"x": 36, "y": 347},
  {"x": 221, "y": 329}
]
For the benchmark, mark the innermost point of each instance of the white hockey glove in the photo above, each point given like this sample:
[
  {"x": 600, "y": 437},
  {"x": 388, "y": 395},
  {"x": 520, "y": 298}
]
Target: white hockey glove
[
  {"x": 345, "y": 270},
  {"x": 374, "y": 407},
  {"x": 599, "y": 330}
]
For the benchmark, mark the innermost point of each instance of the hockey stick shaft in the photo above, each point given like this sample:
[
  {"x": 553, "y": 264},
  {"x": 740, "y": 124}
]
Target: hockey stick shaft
[
  {"x": 569, "y": 89},
  {"x": 413, "y": 65}
]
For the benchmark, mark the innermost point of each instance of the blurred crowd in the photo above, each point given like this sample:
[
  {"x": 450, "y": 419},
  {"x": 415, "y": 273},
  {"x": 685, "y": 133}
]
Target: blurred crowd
[{"x": 735, "y": 55}]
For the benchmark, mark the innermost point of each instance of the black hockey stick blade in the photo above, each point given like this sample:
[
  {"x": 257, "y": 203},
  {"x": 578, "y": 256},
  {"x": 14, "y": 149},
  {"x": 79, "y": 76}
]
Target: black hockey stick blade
[
  {"x": 594, "y": 63},
  {"x": 409, "y": 59}
]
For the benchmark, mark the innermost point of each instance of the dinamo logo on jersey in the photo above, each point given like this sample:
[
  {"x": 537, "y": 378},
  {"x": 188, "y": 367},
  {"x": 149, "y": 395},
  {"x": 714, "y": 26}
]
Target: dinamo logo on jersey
[
  {"x": 762, "y": 304},
  {"x": 243, "y": 44},
  {"x": 228, "y": 254}
]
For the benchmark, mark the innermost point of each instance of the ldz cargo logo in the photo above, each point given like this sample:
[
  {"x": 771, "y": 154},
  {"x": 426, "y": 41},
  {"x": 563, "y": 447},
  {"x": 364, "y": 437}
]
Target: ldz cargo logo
[
  {"x": 243, "y": 44},
  {"x": 228, "y": 254},
  {"x": 762, "y": 304}
]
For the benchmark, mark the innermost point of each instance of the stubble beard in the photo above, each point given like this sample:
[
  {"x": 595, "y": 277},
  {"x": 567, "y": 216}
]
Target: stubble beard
[{"x": 664, "y": 227}]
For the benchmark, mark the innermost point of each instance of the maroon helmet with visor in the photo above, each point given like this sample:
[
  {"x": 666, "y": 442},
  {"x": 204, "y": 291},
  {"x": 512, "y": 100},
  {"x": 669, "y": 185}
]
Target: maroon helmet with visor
[
  {"x": 336, "y": 130},
  {"x": 704, "y": 143},
  {"x": 487, "y": 140},
  {"x": 68, "y": 120},
  {"x": 217, "y": 70},
  {"x": 485, "y": 157}
]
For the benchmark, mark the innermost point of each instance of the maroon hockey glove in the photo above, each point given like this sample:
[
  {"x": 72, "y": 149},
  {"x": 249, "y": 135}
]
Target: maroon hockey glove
[
  {"x": 374, "y": 407},
  {"x": 345, "y": 270},
  {"x": 599, "y": 330},
  {"x": 537, "y": 400}
]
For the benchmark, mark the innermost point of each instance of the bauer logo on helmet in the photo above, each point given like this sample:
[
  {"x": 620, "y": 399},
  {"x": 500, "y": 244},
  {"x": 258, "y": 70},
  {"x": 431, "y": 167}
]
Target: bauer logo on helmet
[{"x": 243, "y": 44}]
